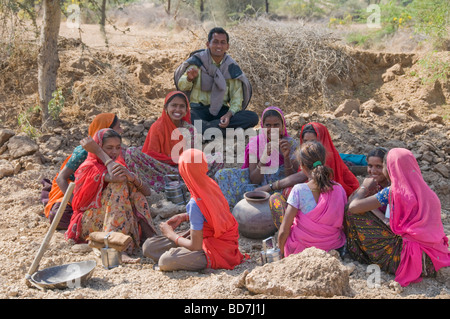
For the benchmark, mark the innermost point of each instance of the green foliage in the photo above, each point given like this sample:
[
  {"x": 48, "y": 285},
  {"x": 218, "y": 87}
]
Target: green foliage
[
  {"x": 433, "y": 69},
  {"x": 427, "y": 17},
  {"x": 432, "y": 17},
  {"x": 303, "y": 8},
  {"x": 56, "y": 104},
  {"x": 24, "y": 121}
]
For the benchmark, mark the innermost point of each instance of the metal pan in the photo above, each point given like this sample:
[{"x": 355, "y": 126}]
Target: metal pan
[{"x": 73, "y": 275}]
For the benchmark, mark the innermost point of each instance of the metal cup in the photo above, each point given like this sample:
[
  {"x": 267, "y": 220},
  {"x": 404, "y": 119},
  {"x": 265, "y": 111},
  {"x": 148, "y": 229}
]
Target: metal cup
[{"x": 270, "y": 251}]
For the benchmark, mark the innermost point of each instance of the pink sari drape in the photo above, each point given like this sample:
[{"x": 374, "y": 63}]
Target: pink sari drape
[
  {"x": 415, "y": 216},
  {"x": 321, "y": 227}
]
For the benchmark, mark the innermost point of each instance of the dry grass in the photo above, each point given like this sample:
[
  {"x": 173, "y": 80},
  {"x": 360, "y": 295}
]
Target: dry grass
[{"x": 288, "y": 62}]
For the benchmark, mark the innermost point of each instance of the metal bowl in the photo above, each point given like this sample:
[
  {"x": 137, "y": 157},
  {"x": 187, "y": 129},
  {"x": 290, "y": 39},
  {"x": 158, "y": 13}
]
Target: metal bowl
[{"x": 74, "y": 275}]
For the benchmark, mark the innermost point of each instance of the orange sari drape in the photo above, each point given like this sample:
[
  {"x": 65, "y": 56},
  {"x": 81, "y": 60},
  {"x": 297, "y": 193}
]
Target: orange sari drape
[{"x": 220, "y": 231}]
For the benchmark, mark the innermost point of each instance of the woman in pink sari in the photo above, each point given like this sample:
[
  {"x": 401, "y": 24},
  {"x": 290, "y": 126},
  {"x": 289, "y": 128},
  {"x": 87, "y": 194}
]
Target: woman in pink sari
[
  {"x": 315, "y": 211},
  {"x": 421, "y": 247}
]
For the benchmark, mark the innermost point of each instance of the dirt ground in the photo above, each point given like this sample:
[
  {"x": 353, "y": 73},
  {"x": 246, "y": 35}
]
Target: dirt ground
[{"x": 394, "y": 110}]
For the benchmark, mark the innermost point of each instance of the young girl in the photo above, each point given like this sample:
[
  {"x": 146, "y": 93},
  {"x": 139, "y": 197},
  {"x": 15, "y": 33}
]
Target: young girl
[
  {"x": 212, "y": 241},
  {"x": 315, "y": 210}
]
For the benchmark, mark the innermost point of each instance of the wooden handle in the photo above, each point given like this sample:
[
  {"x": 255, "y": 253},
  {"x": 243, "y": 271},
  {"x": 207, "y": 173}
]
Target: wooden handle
[{"x": 51, "y": 230}]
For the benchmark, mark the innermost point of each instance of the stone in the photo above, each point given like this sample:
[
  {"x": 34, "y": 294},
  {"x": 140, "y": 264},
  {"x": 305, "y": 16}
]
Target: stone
[
  {"x": 53, "y": 144},
  {"x": 166, "y": 209},
  {"x": 19, "y": 146},
  {"x": 6, "y": 168},
  {"x": 347, "y": 107},
  {"x": 396, "y": 69},
  {"x": 442, "y": 169},
  {"x": 5, "y": 135},
  {"x": 371, "y": 106},
  {"x": 416, "y": 128}
]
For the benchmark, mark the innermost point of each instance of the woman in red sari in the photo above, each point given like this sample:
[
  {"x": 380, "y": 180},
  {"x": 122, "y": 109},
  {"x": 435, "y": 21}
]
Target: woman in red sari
[
  {"x": 56, "y": 189},
  {"x": 212, "y": 241},
  {"x": 109, "y": 202}
]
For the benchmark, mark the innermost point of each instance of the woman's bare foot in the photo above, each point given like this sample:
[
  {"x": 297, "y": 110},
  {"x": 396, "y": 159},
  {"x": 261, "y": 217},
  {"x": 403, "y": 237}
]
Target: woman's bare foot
[{"x": 129, "y": 260}]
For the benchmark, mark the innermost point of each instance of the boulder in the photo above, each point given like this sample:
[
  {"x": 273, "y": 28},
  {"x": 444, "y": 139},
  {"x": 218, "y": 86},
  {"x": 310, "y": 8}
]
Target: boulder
[
  {"x": 19, "y": 146},
  {"x": 390, "y": 73},
  {"x": 5, "y": 135},
  {"x": 6, "y": 168},
  {"x": 442, "y": 169},
  {"x": 166, "y": 209},
  {"x": 371, "y": 106},
  {"x": 347, "y": 107}
]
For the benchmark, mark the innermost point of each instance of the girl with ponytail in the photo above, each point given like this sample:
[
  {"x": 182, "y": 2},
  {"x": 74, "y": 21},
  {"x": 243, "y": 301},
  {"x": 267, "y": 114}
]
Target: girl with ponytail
[{"x": 315, "y": 211}]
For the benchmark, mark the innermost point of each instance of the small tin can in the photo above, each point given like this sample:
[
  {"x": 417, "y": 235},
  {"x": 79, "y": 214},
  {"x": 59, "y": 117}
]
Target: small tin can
[{"x": 110, "y": 257}]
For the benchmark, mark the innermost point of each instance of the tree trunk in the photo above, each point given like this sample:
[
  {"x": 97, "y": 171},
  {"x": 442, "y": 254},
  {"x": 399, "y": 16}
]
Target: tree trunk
[
  {"x": 48, "y": 59},
  {"x": 103, "y": 15},
  {"x": 267, "y": 6},
  {"x": 202, "y": 11},
  {"x": 168, "y": 7}
]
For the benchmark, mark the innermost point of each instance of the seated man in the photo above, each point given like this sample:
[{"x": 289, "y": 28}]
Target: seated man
[{"x": 218, "y": 90}]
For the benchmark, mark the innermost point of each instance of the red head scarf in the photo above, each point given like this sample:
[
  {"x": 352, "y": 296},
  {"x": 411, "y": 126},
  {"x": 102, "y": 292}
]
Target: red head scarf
[
  {"x": 103, "y": 120},
  {"x": 220, "y": 231},
  {"x": 89, "y": 185},
  {"x": 159, "y": 142},
  {"x": 415, "y": 216},
  {"x": 342, "y": 174}
]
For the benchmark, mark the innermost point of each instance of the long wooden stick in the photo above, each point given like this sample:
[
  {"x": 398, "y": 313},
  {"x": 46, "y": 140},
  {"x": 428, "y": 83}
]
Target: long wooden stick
[{"x": 51, "y": 230}]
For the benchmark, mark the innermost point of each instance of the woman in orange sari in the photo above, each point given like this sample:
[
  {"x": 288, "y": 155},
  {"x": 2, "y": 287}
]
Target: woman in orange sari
[
  {"x": 105, "y": 202},
  {"x": 212, "y": 241},
  {"x": 167, "y": 138},
  {"x": 53, "y": 192}
]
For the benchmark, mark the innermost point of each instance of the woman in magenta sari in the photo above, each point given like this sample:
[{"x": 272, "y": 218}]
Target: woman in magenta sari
[
  {"x": 415, "y": 243},
  {"x": 315, "y": 211}
]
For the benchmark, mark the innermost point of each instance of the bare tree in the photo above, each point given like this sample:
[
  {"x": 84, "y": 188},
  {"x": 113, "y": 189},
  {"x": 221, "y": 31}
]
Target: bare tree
[{"x": 48, "y": 59}]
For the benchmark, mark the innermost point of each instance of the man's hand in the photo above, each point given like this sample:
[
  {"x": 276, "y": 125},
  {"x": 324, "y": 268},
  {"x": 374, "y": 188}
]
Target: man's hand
[
  {"x": 192, "y": 74},
  {"x": 225, "y": 119}
]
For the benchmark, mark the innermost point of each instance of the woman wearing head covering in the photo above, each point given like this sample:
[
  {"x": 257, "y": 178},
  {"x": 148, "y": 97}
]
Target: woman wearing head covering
[
  {"x": 70, "y": 165},
  {"x": 413, "y": 244},
  {"x": 167, "y": 138},
  {"x": 312, "y": 132},
  {"x": 104, "y": 202},
  {"x": 268, "y": 156},
  {"x": 212, "y": 241}
]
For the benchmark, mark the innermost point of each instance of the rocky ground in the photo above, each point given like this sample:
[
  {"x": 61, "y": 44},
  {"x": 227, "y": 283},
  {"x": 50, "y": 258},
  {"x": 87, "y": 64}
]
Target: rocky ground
[{"x": 383, "y": 106}]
